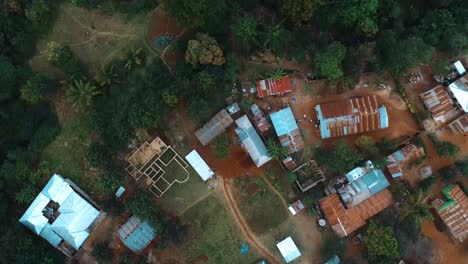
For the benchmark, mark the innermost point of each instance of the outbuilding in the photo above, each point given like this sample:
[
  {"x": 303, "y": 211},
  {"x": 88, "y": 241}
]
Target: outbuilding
[
  {"x": 200, "y": 166},
  {"x": 288, "y": 249}
]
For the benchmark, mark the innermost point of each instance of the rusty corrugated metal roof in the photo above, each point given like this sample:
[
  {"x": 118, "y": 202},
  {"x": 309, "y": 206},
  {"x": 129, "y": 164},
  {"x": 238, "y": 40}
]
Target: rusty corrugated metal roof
[
  {"x": 273, "y": 86},
  {"x": 345, "y": 221},
  {"x": 439, "y": 102}
]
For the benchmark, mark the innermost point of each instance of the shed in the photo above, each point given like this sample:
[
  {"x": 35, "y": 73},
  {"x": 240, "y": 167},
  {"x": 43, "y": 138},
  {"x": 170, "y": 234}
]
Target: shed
[
  {"x": 277, "y": 86},
  {"x": 288, "y": 249},
  {"x": 200, "y": 166},
  {"x": 214, "y": 127},
  {"x": 135, "y": 234},
  {"x": 233, "y": 108},
  {"x": 459, "y": 90},
  {"x": 296, "y": 207}
]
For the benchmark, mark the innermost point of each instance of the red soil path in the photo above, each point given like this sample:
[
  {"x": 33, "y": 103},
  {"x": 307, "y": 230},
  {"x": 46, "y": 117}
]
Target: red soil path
[{"x": 244, "y": 227}]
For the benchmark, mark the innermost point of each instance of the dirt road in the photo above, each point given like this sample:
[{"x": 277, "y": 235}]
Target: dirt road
[{"x": 245, "y": 228}]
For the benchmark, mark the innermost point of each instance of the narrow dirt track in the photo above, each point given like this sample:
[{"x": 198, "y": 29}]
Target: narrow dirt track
[{"x": 245, "y": 228}]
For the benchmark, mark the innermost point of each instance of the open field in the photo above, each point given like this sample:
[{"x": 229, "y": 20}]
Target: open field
[
  {"x": 260, "y": 207},
  {"x": 95, "y": 38},
  {"x": 66, "y": 154},
  {"x": 218, "y": 237},
  {"x": 180, "y": 196}
]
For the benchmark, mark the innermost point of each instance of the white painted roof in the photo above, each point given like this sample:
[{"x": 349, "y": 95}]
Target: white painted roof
[
  {"x": 288, "y": 249},
  {"x": 459, "y": 89},
  {"x": 200, "y": 166},
  {"x": 76, "y": 214},
  {"x": 459, "y": 67}
]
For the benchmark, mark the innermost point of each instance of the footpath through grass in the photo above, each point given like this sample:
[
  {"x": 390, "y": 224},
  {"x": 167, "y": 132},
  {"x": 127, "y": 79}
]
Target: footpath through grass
[
  {"x": 217, "y": 236},
  {"x": 260, "y": 206}
]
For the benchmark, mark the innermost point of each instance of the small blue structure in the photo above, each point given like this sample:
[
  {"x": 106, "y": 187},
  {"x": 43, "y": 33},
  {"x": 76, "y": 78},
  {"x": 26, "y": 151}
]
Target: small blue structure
[
  {"x": 375, "y": 181},
  {"x": 244, "y": 248},
  {"x": 333, "y": 260},
  {"x": 287, "y": 130},
  {"x": 136, "y": 235}
]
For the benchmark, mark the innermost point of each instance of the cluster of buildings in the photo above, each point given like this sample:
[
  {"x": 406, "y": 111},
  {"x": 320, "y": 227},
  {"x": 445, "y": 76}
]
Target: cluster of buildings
[{"x": 448, "y": 105}]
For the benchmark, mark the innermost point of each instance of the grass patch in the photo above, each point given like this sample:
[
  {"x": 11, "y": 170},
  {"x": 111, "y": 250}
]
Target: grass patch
[
  {"x": 218, "y": 237},
  {"x": 95, "y": 38},
  {"x": 174, "y": 172},
  {"x": 66, "y": 154},
  {"x": 260, "y": 206},
  {"x": 167, "y": 156},
  {"x": 180, "y": 196}
]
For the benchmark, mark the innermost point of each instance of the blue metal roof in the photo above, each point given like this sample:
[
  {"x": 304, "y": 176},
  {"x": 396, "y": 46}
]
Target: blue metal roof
[
  {"x": 375, "y": 181},
  {"x": 383, "y": 117},
  {"x": 283, "y": 121},
  {"x": 398, "y": 155},
  {"x": 251, "y": 141},
  {"x": 136, "y": 235}
]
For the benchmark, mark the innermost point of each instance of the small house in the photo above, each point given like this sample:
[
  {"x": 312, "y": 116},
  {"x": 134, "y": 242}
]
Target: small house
[
  {"x": 460, "y": 125},
  {"x": 351, "y": 116},
  {"x": 277, "y": 86},
  {"x": 288, "y": 249},
  {"x": 296, "y": 207},
  {"x": 251, "y": 142},
  {"x": 287, "y": 130},
  {"x": 401, "y": 158},
  {"x": 453, "y": 212},
  {"x": 441, "y": 105},
  {"x": 136, "y": 234},
  {"x": 200, "y": 166}
]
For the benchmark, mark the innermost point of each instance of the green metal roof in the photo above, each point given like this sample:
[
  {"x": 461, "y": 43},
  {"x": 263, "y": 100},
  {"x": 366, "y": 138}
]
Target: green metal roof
[{"x": 450, "y": 201}]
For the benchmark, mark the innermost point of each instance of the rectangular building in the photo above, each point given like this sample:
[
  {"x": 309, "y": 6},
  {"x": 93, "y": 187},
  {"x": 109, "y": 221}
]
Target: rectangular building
[
  {"x": 215, "y": 127},
  {"x": 287, "y": 130},
  {"x": 460, "y": 125},
  {"x": 441, "y": 105},
  {"x": 400, "y": 158},
  {"x": 454, "y": 212},
  {"x": 277, "y": 86},
  {"x": 251, "y": 141},
  {"x": 351, "y": 116},
  {"x": 459, "y": 90}
]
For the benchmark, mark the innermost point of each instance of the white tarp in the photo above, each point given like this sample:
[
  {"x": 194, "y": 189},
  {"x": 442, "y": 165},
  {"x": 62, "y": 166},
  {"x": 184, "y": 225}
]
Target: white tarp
[
  {"x": 459, "y": 67},
  {"x": 288, "y": 249},
  {"x": 200, "y": 166}
]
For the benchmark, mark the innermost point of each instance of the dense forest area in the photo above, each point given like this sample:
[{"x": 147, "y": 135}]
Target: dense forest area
[{"x": 338, "y": 39}]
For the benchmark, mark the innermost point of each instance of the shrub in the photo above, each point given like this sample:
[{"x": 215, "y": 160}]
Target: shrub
[
  {"x": 98, "y": 155},
  {"x": 332, "y": 245},
  {"x": 108, "y": 183},
  {"x": 447, "y": 149},
  {"x": 221, "y": 146},
  {"x": 427, "y": 183},
  {"x": 448, "y": 174}
]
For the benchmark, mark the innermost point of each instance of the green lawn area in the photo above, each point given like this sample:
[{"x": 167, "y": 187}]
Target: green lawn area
[
  {"x": 261, "y": 207},
  {"x": 94, "y": 37},
  {"x": 66, "y": 154},
  {"x": 175, "y": 172},
  {"x": 277, "y": 177},
  {"x": 218, "y": 236},
  {"x": 182, "y": 195}
]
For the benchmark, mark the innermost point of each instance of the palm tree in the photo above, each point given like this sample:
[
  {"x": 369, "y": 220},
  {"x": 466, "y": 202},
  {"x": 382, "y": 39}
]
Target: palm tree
[
  {"x": 278, "y": 74},
  {"x": 106, "y": 76},
  {"x": 80, "y": 94},
  {"x": 246, "y": 29},
  {"x": 276, "y": 37},
  {"x": 415, "y": 206},
  {"x": 134, "y": 58},
  {"x": 275, "y": 150}
]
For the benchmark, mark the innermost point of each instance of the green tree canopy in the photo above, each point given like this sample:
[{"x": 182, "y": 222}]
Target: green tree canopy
[
  {"x": 275, "y": 150},
  {"x": 246, "y": 30},
  {"x": 204, "y": 50},
  {"x": 81, "y": 94},
  {"x": 447, "y": 149},
  {"x": 142, "y": 205},
  {"x": 197, "y": 14},
  {"x": 221, "y": 146},
  {"x": 329, "y": 60},
  {"x": 332, "y": 245},
  {"x": 381, "y": 241},
  {"x": 299, "y": 12},
  {"x": 342, "y": 157}
]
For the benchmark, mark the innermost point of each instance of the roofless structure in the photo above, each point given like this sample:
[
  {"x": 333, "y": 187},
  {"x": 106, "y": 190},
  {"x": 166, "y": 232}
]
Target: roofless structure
[{"x": 63, "y": 215}]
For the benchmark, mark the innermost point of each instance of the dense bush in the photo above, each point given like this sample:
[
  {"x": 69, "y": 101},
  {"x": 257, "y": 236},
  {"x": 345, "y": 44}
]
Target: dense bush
[
  {"x": 341, "y": 157},
  {"x": 98, "y": 155},
  {"x": 221, "y": 146}
]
